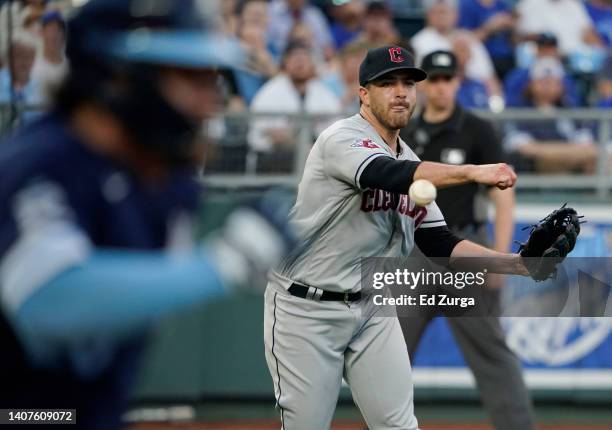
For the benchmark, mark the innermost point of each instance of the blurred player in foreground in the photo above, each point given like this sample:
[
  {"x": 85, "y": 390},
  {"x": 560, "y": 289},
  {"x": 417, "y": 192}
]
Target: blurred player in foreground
[
  {"x": 96, "y": 204},
  {"x": 446, "y": 132},
  {"x": 352, "y": 203}
]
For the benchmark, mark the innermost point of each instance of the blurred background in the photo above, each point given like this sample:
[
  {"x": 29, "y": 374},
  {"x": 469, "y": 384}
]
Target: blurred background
[{"x": 541, "y": 70}]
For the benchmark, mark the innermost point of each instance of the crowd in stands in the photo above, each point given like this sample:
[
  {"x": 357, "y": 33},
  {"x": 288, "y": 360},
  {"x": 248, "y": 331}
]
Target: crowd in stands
[
  {"x": 303, "y": 56},
  {"x": 32, "y": 39}
]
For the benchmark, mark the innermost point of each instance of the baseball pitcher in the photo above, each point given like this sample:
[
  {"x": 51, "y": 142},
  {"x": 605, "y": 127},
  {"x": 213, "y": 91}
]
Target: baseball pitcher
[{"x": 353, "y": 203}]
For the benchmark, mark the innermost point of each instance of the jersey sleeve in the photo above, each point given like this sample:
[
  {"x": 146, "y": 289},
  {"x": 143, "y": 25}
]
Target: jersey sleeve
[
  {"x": 436, "y": 242},
  {"x": 347, "y": 156},
  {"x": 389, "y": 174},
  {"x": 434, "y": 217},
  {"x": 40, "y": 240}
]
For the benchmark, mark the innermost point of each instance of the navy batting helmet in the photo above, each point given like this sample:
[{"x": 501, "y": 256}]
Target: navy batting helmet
[{"x": 116, "y": 48}]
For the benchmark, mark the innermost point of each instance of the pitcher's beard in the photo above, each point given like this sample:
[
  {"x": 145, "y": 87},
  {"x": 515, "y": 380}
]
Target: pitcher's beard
[{"x": 393, "y": 121}]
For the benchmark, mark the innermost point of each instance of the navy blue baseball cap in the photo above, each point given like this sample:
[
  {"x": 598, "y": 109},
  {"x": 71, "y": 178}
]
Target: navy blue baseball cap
[{"x": 385, "y": 59}]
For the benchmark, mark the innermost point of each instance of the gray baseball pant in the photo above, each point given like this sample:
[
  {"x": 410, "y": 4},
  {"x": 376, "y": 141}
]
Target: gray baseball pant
[{"x": 310, "y": 346}]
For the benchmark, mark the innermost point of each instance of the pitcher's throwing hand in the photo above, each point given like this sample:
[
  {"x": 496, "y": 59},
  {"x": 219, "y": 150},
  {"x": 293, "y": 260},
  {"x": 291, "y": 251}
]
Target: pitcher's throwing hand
[{"x": 499, "y": 175}]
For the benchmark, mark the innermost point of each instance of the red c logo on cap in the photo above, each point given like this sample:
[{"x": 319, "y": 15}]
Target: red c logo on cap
[{"x": 395, "y": 54}]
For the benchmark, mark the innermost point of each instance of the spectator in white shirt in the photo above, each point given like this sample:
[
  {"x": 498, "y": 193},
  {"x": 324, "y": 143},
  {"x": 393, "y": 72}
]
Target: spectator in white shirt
[
  {"x": 441, "y": 17},
  {"x": 50, "y": 65},
  {"x": 284, "y": 14},
  {"x": 295, "y": 90},
  {"x": 566, "y": 19}
]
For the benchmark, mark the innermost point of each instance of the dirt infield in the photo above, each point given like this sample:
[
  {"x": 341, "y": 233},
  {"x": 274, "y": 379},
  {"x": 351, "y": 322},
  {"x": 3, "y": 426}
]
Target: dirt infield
[{"x": 348, "y": 426}]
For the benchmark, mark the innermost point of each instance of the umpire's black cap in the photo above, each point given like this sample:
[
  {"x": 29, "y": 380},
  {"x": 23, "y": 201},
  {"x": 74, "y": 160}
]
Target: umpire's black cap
[
  {"x": 440, "y": 63},
  {"x": 385, "y": 59}
]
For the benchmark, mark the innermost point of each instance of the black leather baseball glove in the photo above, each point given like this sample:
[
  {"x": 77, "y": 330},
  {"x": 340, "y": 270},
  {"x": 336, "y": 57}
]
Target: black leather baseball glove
[{"x": 549, "y": 242}]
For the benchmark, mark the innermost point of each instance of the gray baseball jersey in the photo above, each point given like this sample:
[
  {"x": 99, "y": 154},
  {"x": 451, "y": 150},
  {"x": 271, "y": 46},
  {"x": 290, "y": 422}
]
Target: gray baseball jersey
[
  {"x": 311, "y": 344},
  {"x": 338, "y": 221}
]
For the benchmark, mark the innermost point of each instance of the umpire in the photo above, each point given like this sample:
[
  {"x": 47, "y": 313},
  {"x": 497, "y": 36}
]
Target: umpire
[{"x": 445, "y": 132}]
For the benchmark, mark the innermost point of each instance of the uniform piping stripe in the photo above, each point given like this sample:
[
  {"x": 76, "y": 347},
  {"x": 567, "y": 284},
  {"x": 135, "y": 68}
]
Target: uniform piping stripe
[
  {"x": 277, "y": 371},
  {"x": 359, "y": 169},
  {"x": 434, "y": 225},
  {"x": 429, "y": 222}
]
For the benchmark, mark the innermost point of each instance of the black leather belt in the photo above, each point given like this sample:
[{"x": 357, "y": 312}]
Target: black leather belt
[{"x": 318, "y": 294}]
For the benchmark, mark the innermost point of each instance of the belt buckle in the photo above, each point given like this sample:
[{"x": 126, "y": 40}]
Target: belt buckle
[{"x": 346, "y": 297}]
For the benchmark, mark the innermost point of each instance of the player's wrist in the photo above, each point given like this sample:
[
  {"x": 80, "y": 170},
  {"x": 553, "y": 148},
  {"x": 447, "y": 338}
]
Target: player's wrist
[
  {"x": 519, "y": 265},
  {"x": 469, "y": 172}
]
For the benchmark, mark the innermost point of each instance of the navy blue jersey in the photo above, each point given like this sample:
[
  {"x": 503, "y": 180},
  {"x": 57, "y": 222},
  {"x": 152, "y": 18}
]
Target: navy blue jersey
[{"x": 59, "y": 201}]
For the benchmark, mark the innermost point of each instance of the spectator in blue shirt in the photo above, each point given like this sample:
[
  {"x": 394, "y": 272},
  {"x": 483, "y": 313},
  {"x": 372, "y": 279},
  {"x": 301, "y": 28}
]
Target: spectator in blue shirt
[
  {"x": 600, "y": 12},
  {"x": 492, "y": 22},
  {"x": 604, "y": 84},
  {"x": 347, "y": 21},
  {"x": 472, "y": 94},
  {"x": 517, "y": 80},
  {"x": 261, "y": 66},
  {"x": 344, "y": 81},
  {"x": 552, "y": 145},
  {"x": 16, "y": 86}
]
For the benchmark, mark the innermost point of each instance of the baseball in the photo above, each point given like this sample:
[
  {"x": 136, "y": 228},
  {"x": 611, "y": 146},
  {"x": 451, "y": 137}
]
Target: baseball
[{"x": 422, "y": 192}]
